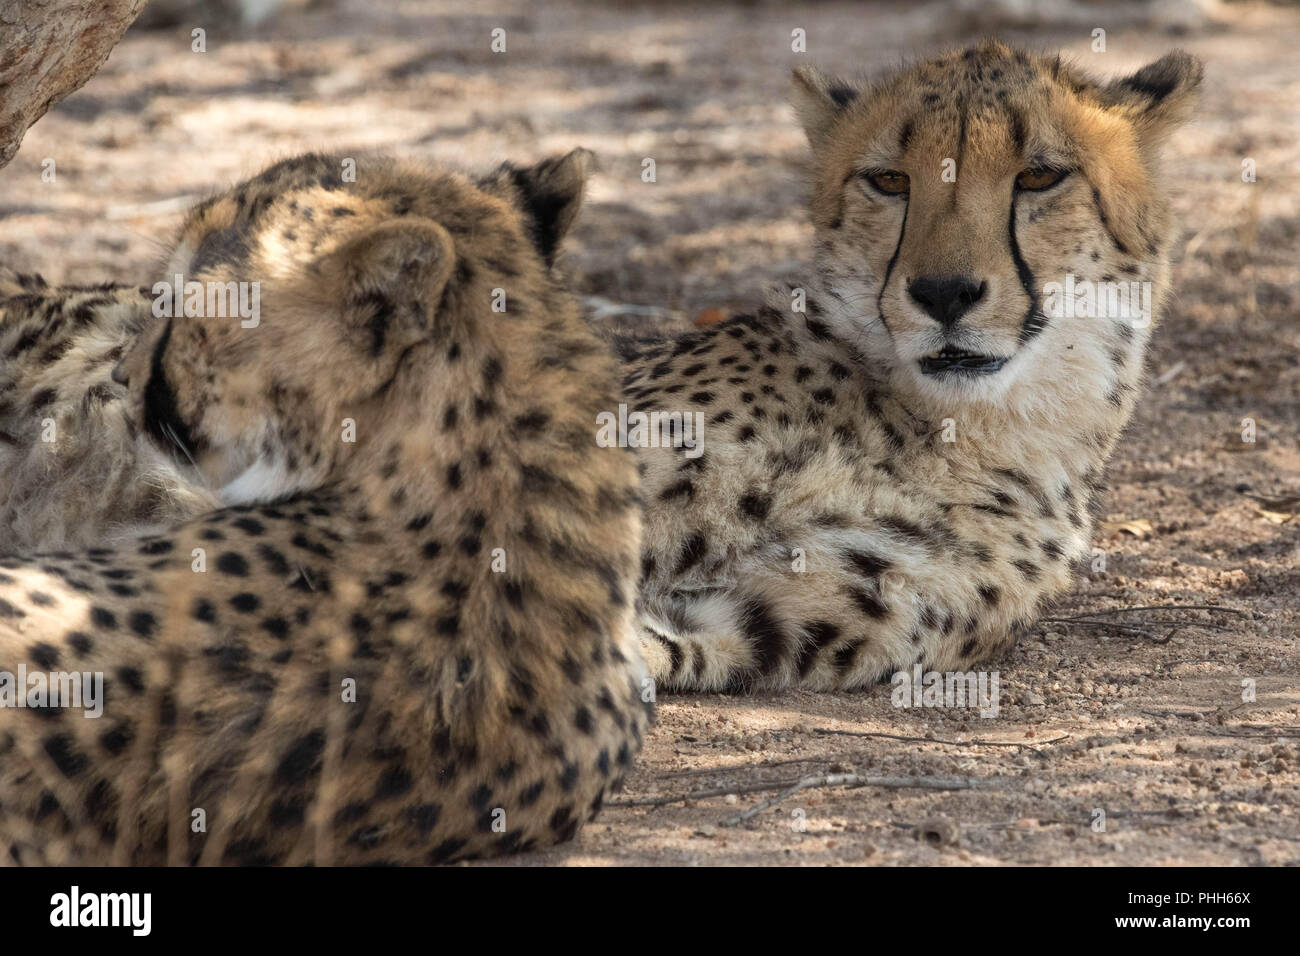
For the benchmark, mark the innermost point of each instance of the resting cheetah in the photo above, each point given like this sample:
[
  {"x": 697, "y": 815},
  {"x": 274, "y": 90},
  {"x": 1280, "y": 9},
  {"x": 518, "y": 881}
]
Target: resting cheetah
[
  {"x": 902, "y": 472},
  {"x": 74, "y": 469},
  {"x": 834, "y": 534},
  {"x": 414, "y": 643}
]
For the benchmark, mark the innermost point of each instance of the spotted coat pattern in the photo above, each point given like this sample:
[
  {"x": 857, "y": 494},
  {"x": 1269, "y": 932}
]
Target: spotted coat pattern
[
  {"x": 75, "y": 471},
  {"x": 413, "y": 644},
  {"x": 851, "y": 514}
]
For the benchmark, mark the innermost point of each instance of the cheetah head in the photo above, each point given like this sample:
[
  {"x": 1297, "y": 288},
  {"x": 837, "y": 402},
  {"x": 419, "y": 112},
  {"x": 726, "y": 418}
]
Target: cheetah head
[
  {"x": 964, "y": 206},
  {"x": 364, "y": 273}
]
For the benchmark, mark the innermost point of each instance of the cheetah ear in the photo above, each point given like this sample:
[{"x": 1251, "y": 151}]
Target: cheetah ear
[
  {"x": 1160, "y": 96},
  {"x": 819, "y": 101},
  {"x": 551, "y": 195},
  {"x": 395, "y": 271}
]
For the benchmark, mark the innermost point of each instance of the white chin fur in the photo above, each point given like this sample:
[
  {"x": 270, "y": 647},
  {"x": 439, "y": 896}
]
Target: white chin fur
[{"x": 264, "y": 480}]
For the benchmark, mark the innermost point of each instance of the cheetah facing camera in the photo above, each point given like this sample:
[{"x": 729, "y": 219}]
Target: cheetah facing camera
[
  {"x": 902, "y": 472},
  {"x": 414, "y": 646}
]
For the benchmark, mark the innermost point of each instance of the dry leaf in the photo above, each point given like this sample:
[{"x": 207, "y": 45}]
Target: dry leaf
[
  {"x": 1277, "y": 517},
  {"x": 1278, "y": 509},
  {"x": 1138, "y": 527},
  {"x": 710, "y": 317}
]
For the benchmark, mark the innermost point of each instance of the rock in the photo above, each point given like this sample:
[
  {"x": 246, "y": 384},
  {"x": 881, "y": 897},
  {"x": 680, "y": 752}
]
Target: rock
[
  {"x": 48, "y": 49},
  {"x": 937, "y": 831}
]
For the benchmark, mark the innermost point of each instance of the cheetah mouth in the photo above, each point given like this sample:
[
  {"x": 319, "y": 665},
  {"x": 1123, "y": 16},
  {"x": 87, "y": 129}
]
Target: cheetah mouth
[{"x": 951, "y": 361}]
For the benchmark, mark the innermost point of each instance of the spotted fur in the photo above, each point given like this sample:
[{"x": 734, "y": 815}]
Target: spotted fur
[
  {"x": 851, "y": 515},
  {"x": 74, "y": 469},
  {"x": 412, "y": 647}
]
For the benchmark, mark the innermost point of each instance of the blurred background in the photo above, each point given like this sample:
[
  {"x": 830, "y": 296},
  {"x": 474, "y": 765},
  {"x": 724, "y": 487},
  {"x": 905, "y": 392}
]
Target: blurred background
[{"x": 700, "y": 88}]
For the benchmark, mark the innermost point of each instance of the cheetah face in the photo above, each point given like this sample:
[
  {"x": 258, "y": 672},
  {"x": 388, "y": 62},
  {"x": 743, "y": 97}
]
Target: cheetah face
[
  {"x": 360, "y": 283},
  {"x": 960, "y": 204}
]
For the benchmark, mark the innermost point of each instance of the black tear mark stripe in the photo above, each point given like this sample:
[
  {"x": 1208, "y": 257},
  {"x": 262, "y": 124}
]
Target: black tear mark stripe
[
  {"x": 1105, "y": 222},
  {"x": 889, "y": 269},
  {"x": 961, "y": 147},
  {"x": 1034, "y": 320},
  {"x": 161, "y": 416},
  {"x": 837, "y": 220}
]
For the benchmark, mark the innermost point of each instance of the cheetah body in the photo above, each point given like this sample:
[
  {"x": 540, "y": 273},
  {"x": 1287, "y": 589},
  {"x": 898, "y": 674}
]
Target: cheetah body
[
  {"x": 848, "y": 516},
  {"x": 413, "y": 646},
  {"x": 859, "y": 502}
]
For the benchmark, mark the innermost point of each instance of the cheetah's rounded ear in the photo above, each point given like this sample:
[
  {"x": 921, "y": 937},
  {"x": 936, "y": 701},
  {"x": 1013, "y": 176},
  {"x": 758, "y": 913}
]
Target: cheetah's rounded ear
[
  {"x": 395, "y": 271},
  {"x": 551, "y": 195},
  {"x": 819, "y": 100},
  {"x": 1159, "y": 96}
]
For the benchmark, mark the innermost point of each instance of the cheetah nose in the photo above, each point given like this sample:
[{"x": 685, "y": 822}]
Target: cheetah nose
[
  {"x": 946, "y": 298},
  {"x": 119, "y": 373}
]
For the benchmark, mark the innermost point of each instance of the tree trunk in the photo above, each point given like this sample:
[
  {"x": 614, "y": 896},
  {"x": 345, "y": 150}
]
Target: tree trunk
[{"x": 48, "y": 48}]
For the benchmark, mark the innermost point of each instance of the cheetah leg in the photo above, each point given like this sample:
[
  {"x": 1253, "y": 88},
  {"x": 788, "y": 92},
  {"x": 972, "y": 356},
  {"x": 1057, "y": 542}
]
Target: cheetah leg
[
  {"x": 840, "y": 628},
  {"x": 684, "y": 661}
]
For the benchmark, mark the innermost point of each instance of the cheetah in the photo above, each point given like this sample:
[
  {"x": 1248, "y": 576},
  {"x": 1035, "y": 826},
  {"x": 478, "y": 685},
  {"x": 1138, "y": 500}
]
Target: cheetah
[
  {"x": 407, "y": 633},
  {"x": 75, "y": 471},
  {"x": 898, "y": 463},
  {"x": 929, "y": 496}
]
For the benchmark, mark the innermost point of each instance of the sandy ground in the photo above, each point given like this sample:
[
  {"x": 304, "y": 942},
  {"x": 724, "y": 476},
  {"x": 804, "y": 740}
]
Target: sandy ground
[{"x": 1148, "y": 728}]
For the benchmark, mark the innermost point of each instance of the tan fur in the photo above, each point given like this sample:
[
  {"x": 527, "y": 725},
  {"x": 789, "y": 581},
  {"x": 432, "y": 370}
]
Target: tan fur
[
  {"x": 74, "y": 469},
  {"x": 851, "y": 515},
  {"x": 468, "y": 561},
  {"x": 828, "y": 535}
]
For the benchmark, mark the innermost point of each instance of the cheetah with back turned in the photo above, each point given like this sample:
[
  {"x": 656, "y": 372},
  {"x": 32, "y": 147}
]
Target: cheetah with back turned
[
  {"x": 899, "y": 470},
  {"x": 413, "y": 644}
]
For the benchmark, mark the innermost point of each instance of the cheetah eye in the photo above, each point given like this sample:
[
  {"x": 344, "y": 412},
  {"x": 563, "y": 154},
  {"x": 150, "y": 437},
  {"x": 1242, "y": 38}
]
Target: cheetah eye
[
  {"x": 1038, "y": 178},
  {"x": 889, "y": 181}
]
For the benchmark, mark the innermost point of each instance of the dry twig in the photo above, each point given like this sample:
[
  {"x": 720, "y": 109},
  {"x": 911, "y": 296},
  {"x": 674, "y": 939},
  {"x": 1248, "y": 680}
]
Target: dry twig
[
  {"x": 853, "y": 781},
  {"x": 937, "y": 740},
  {"x": 827, "y": 780}
]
